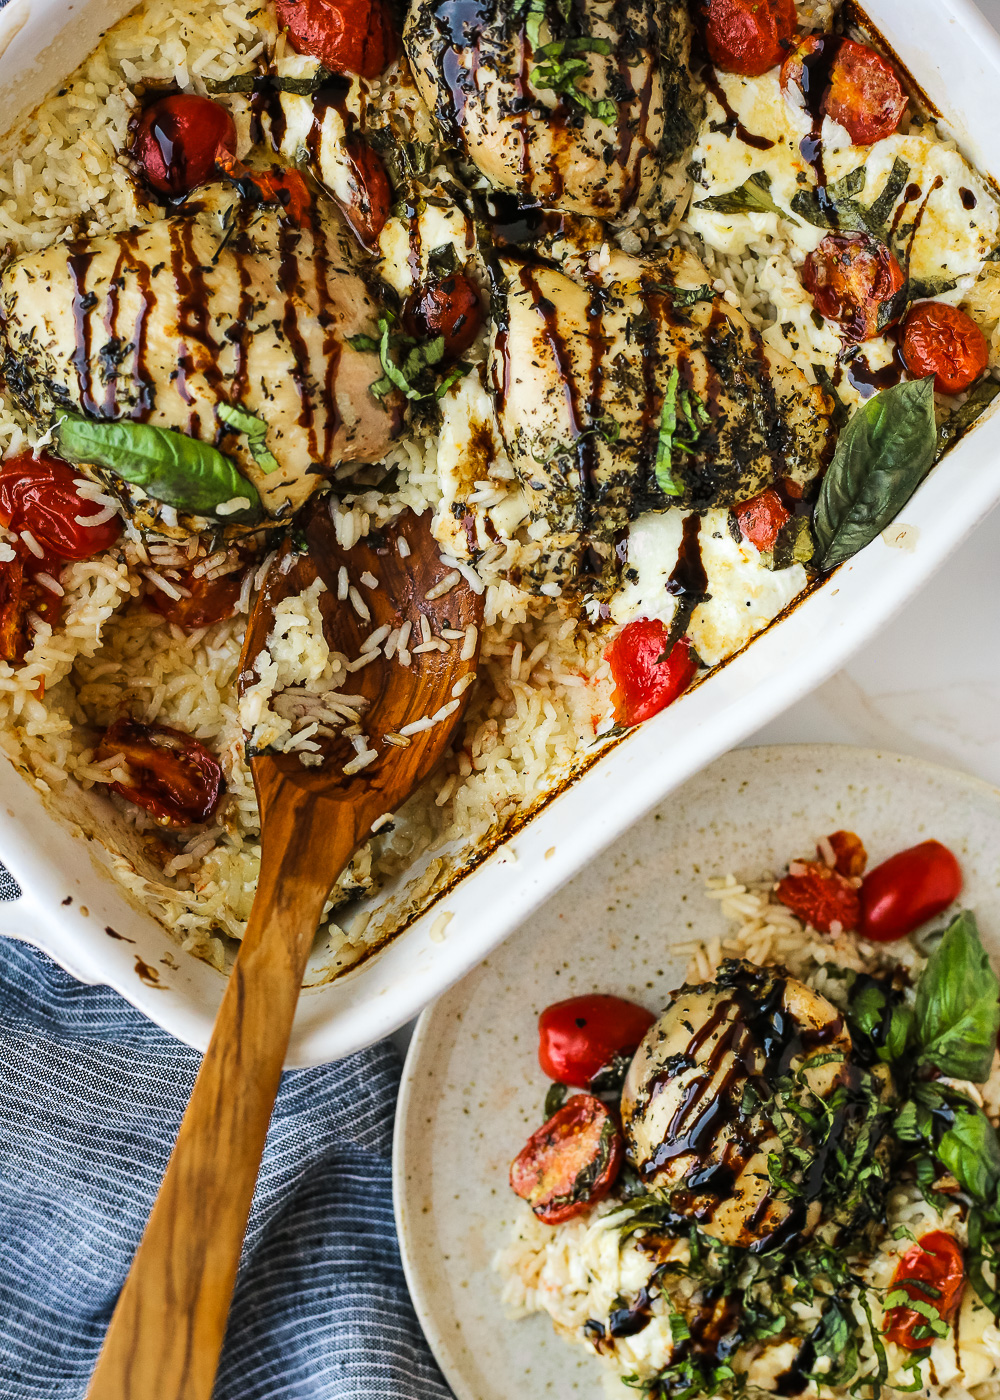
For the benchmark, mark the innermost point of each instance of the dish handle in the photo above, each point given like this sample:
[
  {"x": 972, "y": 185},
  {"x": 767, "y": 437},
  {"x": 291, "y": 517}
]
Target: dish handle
[{"x": 21, "y": 919}]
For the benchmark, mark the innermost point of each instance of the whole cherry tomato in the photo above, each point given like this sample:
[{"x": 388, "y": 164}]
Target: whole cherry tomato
[
  {"x": 864, "y": 95},
  {"x": 175, "y": 778},
  {"x": 370, "y": 201},
  {"x": 39, "y": 494},
  {"x": 942, "y": 340},
  {"x": 820, "y": 897},
  {"x": 570, "y": 1163},
  {"x": 761, "y": 518},
  {"x": 210, "y": 600},
  {"x": 580, "y": 1037},
  {"x": 936, "y": 1261},
  {"x": 748, "y": 36},
  {"x": 849, "y": 853},
  {"x": 347, "y": 36},
  {"x": 851, "y": 277},
  {"x": 644, "y": 684},
  {"x": 179, "y": 141},
  {"x": 447, "y": 306},
  {"x": 908, "y": 889}
]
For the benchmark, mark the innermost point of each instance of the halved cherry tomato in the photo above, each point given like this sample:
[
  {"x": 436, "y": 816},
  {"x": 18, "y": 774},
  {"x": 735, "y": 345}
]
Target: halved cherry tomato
[
  {"x": 644, "y": 684},
  {"x": 15, "y": 603},
  {"x": 858, "y": 88},
  {"x": 820, "y": 897},
  {"x": 935, "y": 1260},
  {"x": 447, "y": 306},
  {"x": 748, "y": 36},
  {"x": 347, "y": 36},
  {"x": 850, "y": 277},
  {"x": 370, "y": 201},
  {"x": 211, "y": 600},
  {"x": 176, "y": 779},
  {"x": 39, "y": 494},
  {"x": 179, "y": 141},
  {"x": 286, "y": 187},
  {"x": 908, "y": 889},
  {"x": 942, "y": 340},
  {"x": 580, "y": 1037},
  {"x": 864, "y": 95},
  {"x": 570, "y": 1163},
  {"x": 761, "y": 518},
  {"x": 849, "y": 853}
]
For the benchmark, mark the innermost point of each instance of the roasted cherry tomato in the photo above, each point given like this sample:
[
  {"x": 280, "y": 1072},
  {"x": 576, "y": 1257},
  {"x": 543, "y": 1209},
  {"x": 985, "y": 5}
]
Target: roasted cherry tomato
[
  {"x": 864, "y": 95},
  {"x": 285, "y": 187},
  {"x": 935, "y": 1261},
  {"x": 15, "y": 601},
  {"x": 908, "y": 889},
  {"x": 39, "y": 494},
  {"x": 448, "y": 306},
  {"x": 644, "y": 684},
  {"x": 347, "y": 36},
  {"x": 748, "y": 36},
  {"x": 571, "y": 1163},
  {"x": 180, "y": 140},
  {"x": 579, "y": 1038},
  {"x": 942, "y": 340},
  {"x": 849, "y": 854},
  {"x": 851, "y": 277},
  {"x": 820, "y": 897},
  {"x": 761, "y": 518},
  {"x": 370, "y": 200},
  {"x": 803, "y": 67},
  {"x": 211, "y": 600},
  {"x": 176, "y": 779}
]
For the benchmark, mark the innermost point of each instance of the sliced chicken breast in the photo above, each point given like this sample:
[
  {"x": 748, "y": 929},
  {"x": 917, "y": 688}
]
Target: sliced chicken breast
[
  {"x": 164, "y": 323},
  {"x": 618, "y": 392},
  {"x": 593, "y": 113}
]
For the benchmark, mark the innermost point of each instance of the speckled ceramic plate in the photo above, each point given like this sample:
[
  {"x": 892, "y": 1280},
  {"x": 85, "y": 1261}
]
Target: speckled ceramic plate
[{"x": 472, "y": 1088}]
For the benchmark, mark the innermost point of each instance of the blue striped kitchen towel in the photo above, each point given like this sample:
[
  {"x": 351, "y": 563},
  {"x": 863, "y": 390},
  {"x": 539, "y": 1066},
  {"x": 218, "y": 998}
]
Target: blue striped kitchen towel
[{"x": 91, "y": 1096}]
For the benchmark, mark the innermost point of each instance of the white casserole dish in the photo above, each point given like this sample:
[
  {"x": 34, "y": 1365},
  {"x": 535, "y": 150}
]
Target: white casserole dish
[{"x": 75, "y": 912}]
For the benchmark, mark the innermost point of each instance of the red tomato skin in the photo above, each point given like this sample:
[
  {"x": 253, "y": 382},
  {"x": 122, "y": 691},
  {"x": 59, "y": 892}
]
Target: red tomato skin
[
  {"x": 849, "y": 851},
  {"x": 644, "y": 685},
  {"x": 936, "y": 1259},
  {"x": 447, "y": 306},
  {"x": 849, "y": 276},
  {"x": 38, "y": 494},
  {"x": 761, "y": 518},
  {"x": 864, "y": 94},
  {"x": 14, "y": 605},
  {"x": 179, "y": 141},
  {"x": 796, "y": 69},
  {"x": 347, "y": 36},
  {"x": 748, "y": 36},
  {"x": 908, "y": 889},
  {"x": 211, "y": 600},
  {"x": 580, "y": 1138},
  {"x": 285, "y": 187},
  {"x": 942, "y": 340},
  {"x": 371, "y": 192},
  {"x": 177, "y": 780},
  {"x": 579, "y": 1037},
  {"x": 821, "y": 897}
]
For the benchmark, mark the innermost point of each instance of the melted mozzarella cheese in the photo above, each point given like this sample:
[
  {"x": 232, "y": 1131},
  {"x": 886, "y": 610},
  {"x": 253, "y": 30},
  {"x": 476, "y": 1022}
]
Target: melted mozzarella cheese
[
  {"x": 405, "y": 245},
  {"x": 745, "y": 594}
]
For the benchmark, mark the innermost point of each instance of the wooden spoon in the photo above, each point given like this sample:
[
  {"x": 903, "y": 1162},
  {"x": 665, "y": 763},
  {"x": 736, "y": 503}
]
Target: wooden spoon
[{"x": 168, "y": 1326}]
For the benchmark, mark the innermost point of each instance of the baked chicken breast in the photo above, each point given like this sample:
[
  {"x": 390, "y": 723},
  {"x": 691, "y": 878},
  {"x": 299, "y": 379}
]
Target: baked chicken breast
[
  {"x": 593, "y": 110},
  {"x": 165, "y": 323}
]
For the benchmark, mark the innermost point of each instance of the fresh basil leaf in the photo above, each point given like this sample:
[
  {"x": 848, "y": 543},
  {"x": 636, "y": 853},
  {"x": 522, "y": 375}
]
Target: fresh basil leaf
[
  {"x": 241, "y": 420},
  {"x": 882, "y": 455},
  {"x": 898, "y": 1033},
  {"x": 971, "y": 1152},
  {"x": 981, "y": 395},
  {"x": 958, "y": 1005},
  {"x": 178, "y": 470},
  {"x": 663, "y": 462},
  {"x": 752, "y": 197},
  {"x": 868, "y": 1007},
  {"x": 833, "y": 1339}
]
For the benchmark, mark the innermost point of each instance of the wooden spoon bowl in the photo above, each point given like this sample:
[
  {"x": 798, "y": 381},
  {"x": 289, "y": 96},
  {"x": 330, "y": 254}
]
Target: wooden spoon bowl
[{"x": 168, "y": 1326}]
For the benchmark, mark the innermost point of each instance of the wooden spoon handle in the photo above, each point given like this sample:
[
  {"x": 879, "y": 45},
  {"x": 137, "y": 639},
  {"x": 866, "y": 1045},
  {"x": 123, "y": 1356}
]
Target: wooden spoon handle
[{"x": 168, "y": 1326}]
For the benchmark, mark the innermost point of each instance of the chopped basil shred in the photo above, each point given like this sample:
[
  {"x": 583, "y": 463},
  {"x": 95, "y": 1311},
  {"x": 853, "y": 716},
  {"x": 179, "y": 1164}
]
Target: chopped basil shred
[
  {"x": 415, "y": 365},
  {"x": 178, "y": 470},
  {"x": 682, "y": 407},
  {"x": 241, "y": 420},
  {"x": 562, "y": 68}
]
